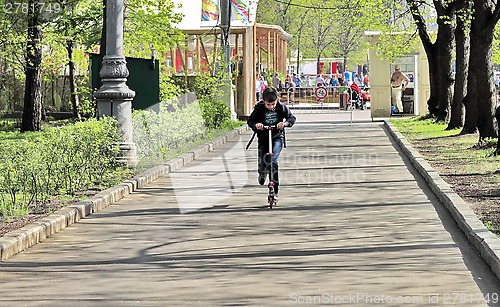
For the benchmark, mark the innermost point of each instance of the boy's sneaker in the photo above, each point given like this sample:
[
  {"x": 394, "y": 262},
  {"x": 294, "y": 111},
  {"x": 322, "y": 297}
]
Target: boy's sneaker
[{"x": 262, "y": 179}]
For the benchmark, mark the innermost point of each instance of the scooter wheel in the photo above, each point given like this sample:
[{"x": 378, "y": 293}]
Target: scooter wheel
[{"x": 270, "y": 200}]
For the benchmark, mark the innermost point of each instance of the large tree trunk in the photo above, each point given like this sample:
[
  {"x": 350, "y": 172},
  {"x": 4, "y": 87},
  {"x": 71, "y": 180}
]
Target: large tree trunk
[
  {"x": 32, "y": 112},
  {"x": 439, "y": 55},
  {"x": 462, "y": 66},
  {"x": 446, "y": 42},
  {"x": 431, "y": 52},
  {"x": 480, "y": 102},
  {"x": 433, "y": 60},
  {"x": 72, "y": 83}
]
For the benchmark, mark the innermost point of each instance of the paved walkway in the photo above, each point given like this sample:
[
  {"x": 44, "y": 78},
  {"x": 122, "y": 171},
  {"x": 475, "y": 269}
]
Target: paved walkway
[{"x": 356, "y": 225}]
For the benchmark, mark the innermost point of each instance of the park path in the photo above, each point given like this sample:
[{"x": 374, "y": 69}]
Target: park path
[{"x": 356, "y": 225}]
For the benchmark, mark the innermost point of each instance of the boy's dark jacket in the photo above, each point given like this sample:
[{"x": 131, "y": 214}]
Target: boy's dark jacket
[{"x": 259, "y": 115}]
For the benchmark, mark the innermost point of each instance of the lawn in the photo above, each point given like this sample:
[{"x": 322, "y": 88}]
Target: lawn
[{"x": 470, "y": 168}]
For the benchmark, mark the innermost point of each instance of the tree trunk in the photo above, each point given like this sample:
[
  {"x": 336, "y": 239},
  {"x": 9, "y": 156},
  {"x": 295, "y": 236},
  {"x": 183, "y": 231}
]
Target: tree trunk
[
  {"x": 32, "y": 112},
  {"x": 462, "y": 66},
  {"x": 432, "y": 59},
  {"x": 430, "y": 51},
  {"x": 72, "y": 83},
  {"x": 480, "y": 102},
  {"x": 446, "y": 42},
  {"x": 486, "y": 88},
  {"x": 439, "y": 56}
]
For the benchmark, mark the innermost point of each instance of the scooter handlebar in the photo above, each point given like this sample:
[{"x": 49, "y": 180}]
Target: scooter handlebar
[{"x": 273, "y": 127}]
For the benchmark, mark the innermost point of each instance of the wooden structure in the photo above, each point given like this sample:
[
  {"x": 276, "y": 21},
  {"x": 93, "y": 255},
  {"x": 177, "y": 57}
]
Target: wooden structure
[
  {"x": 380, "y": 73},
  {"x": 254, "y": 49},
  {"x": 271, "y": 44}
]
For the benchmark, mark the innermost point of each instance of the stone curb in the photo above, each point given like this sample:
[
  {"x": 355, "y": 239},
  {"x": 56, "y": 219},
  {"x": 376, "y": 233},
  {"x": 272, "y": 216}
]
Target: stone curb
[
  {"x": 19, "y": 240},
  {"x": 478, "y": 235}
]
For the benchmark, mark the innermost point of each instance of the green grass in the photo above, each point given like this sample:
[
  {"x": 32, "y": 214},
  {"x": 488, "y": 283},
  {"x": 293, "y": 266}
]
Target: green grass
[
  {"x": 416, "y": 128},
  {"x": 471, "y": 168}
]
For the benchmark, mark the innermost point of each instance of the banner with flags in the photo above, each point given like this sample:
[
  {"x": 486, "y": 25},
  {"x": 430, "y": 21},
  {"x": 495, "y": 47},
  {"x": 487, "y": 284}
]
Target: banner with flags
[
  {"x": 209, "y": 10},
  {"x": 239, "y": 10}
]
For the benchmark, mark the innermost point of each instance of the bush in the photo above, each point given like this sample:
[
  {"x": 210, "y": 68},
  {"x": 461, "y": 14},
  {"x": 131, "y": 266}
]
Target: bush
[
  {"x": 211, "y": 94},
  {"x": 63, "y": 160},
  {"x": 157, "y": 134}
]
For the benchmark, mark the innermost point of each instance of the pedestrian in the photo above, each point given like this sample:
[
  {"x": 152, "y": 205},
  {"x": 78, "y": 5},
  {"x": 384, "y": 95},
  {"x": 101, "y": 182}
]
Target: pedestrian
[
  {"x": 276, "y": 81},
  {"x": 320, "y": 81},
  {"x": 340, "y": 80},
  {"x": 399, "y": 82},
  {"x": 296, "y": 80},
  {"x": 308, "y": 81},
  {"x": 366, "y": 81},
  {"x": 270, "y": 112},
  {"x": 334, "y": 81},
  {"x": 258, "y": 86}
]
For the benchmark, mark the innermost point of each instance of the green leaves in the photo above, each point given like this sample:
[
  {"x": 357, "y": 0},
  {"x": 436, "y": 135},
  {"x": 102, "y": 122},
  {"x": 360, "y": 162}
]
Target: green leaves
[{"x": 61, "y": 160}]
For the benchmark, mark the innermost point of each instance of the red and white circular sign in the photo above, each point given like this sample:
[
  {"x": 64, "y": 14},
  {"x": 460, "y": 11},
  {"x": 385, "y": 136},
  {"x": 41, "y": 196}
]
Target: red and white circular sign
[{"x": 321, "y": 92}]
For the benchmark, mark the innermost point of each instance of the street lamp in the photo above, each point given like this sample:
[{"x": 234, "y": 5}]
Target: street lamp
[{"x": 114, "y": 98}]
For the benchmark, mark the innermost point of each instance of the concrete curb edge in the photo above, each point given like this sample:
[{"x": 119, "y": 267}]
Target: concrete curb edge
[
  {"x": 21, "y": 239},
  {"x": 478, "y": 235}
]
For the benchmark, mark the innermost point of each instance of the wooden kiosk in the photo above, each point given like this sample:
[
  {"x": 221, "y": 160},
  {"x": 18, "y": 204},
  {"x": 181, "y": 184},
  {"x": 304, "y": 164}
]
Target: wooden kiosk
[{"x": 414, "y": 65}]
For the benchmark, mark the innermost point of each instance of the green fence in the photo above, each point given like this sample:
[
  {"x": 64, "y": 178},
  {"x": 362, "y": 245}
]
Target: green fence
[{"x": 144, "y": 79}]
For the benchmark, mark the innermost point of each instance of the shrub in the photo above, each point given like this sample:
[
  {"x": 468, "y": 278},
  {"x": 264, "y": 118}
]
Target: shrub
[
  {"x": 157, "y": 134},
  {"x": 61, "y": 160}
]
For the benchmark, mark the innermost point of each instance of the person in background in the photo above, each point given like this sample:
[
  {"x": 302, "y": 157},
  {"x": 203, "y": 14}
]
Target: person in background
[
  {"x": 276, "y": 81},
  {"x": 340, "y": 80},
  {"x": 334, "y": 81},
  {"x": 297, "y": 80},
  {"x": 347, "y": 77},
  {"x": 366, "y": 81},
  {"x": 327, "y": 80},
  {"x": 308, "y": 81},
  {"x": 320, "y": 81},
  {"x": 258, "y": 86},
  {"x": 399, "y": 82}
]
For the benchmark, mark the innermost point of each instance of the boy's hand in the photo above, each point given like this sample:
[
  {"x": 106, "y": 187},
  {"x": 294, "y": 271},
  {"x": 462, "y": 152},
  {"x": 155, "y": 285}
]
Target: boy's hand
[
  {"x": 280, "y": 125},
  {"x": 259, "y": 126}
]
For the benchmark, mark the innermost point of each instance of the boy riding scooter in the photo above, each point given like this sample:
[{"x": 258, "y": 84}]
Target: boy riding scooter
[{"x": 270, "y": 112}]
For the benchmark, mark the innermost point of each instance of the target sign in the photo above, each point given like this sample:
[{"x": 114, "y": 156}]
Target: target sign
[{"x": 321, "y": 92}]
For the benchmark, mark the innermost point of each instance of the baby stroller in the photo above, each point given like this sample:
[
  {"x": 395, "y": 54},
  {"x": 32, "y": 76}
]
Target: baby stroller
[{"x": 356, "y": 96}]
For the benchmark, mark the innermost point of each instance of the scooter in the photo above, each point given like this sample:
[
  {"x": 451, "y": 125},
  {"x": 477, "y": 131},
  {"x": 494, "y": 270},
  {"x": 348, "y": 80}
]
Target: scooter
[{"x": 271, "y": 196}]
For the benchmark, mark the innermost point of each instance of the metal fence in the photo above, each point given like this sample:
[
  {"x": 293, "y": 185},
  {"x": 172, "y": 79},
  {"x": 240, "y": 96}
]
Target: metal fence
[{"x": 321, "y": 99}]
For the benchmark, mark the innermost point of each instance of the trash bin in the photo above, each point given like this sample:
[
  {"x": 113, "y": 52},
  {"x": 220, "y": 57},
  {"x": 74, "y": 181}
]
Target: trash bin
[
  {"x": 344, "y": 101},
  {"x": 407, "y": 105}
]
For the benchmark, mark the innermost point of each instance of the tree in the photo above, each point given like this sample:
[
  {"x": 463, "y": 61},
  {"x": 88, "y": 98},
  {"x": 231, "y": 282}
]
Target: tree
[
  {"x": 13, "y": 30},
  {"x": 150, "y": 24},
  {"x": 349, "y": 30},
  {"x": 320, "y": 33},
  {"x": 462, "y": 50},
  {"x": 76, "y": 25},
  {"x": 439, "y": 54},
  {"x": 277, "y": 12},
  {"x": 480, "y": 102},
  {"x": 32, "y": 112}
]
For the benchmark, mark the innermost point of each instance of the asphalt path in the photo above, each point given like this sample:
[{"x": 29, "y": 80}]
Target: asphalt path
[{"x": 355, "y": 225}]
